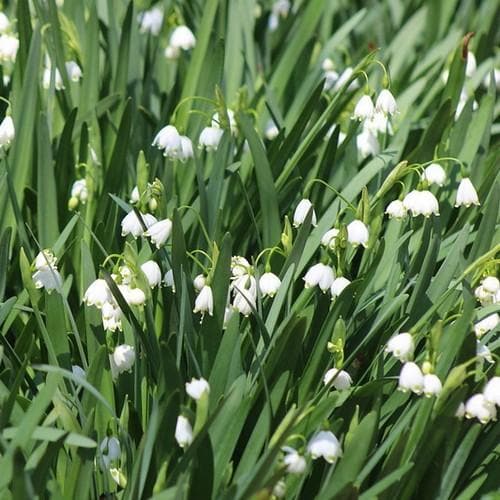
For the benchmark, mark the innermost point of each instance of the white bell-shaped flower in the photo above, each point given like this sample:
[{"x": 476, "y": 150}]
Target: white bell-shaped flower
[
  {"x": 210, "y": 138},
  {"x": 325, "y": 444},
  {"x": 204, "y": 302},
  {"x": 45, "y": 260},
  {"x": 486, "y": 324},
  {"x": 396, "y": 210},
  {"x": 421, "y": 203},
  {"x": 460, "y": 413},
  {"x": 152, "y": 272},
  {"x": 159, "y": 232},
  {"x": 74, "y": 71},
  {"x": 7, "y": 132},
  {"x": 432, "y": 385},
  {"x": 434, "y": 174},
  {"x": 411, "y": 378},
  {"x": 98, "y": 294},
  {"x": 245, "y": 294},
  {"x": 492, "y": 391},
  {"x": 319, "y": 275},
  {"x": 48, "y": 278},
  {"x": 471, "y": 65},
  {"x": 79, "y": 190},
  {"x": 133, "y": 296},
  {"x": 386, "y": 103},
  {"x": 216, "y": 121},
  {"x": 182, "y": 38},
  {"x": 186, "y": 151},
  {"x": 123, "y": 358},
  {"x": 168, "y": 279},
  {"x": 491, "y": 284},
  {"x": 4, "y": 23},
  {"x": 197, "y": 387},
  {"x": 401, "y": 346},
  {"x": 364, "y": 108},
  {"x": 466, "y": 194},
  {"x": 299, "y": 216},
  {"x": 239, "y": 266},
  {"x": 169, "y": 140},
  {"x": 338, "y": 286},
  {"x": 341, "y": 379},
  {"x": 378, "y": 123},
  {"x": 294, "y": 462},
  {"x": 329, "y": 238},
  {"x": 199, "y": 282},
  {"x": 183, "y": 432},
  {"x": 269, "y": 284},
  {"x": 111, "y": 317},
  {"x": 172, "y": 53},
  {"x": 367, "y": 144},
  {"x": 110, "y": 451},
  {"x": 357, "y": 233},
  {"x": 331, "y": 78},
  {"x": 483, "y": 351},
  {"x": 477, "y": 406},
  {"x": 9, "y": 45},
  {"x": 151, "y": 21},
  {"x": 131, "y": 223}
]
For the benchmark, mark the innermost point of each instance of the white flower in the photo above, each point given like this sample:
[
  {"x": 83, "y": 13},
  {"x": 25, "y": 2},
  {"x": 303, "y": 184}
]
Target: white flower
[
  {"x": 460, "y": 413},
  {"x": 126, "y": 275},
  {"x": 471, "y": 65},
  {"x": 133, "y": 296},
  {"x": 153, "y": 272},
  {"x": 325, "y": 444},
  {"x": 47, "y": 75},
  {"x": 386, "y": 103},
  {"x": 396, "y": 210},
  {"x": 491, "y": 284},
  {"x": 183, "y": 432},
  {"x": 151, "y": 21},
  {"x": 210, "y": 138},
  {"x": 7, "y": 132},
  {"x": 496, "y": 79},
  {"x": 9, "y": 46},
  {"x": 279, "y": 489},
  {"x": 331, "y": 78},
  {"x": 172, "y": 52},
  {"x": 483, "y": 351},
  {"x": 135, "y": 196},
  {"x": 321, "y": 275},
  {"x": 357, "y": 233},
  {"x": 432, "y": 385},
  {"x": 111, "y": 317},
  {"x": 78, "y": 372},
  {"x": 338, "y": 286},
  {"x": 110, "y": 451},
  {"x": 199, "y": 282},
  {"x": 329, "y": 238},
  {"x": 159, "y": 232},
  {"x": 299, "y": 216},
  {"x": 186, "y": 151},
  {"x": 73, "y": 70},
  {"x": 364, "y": 108},
  {"x": 216, "y": 123},
  {"x": 168, "y": 279},
  {"x": 79, "y": 190},
  {"x": 378, "y": 123},
  {"x": 197, "y": 387},
  {"x": 421, "y": 203},
  {"x": 327, "y": 64},
  {"x": 48, "y": 278},
  {"x": 486, "y": 324},
  {"x": 434, "y": 174},
  {"x": 401, "y": 346},
  {"x": 271, "y": 131},
  {"x": 466, "y": 194},
  {"x": 477, "y": 406},
  {"x": 98, "y": 294},
  {"x": 131, "y": 223},
  {"x": 295, "y": 463},
  {"x": 367, "y": 144},
  {"x": 492, "y": 391},
  {"x": 411, "y": 378},
  {"x": 228, "y": 314},
  {"x": 343, "y": 78},
  {"x": 45, "y": 260},
  {"x": 168, "y": 139},
  {"x": 182, "y": 38},
  {"x": 245, "y": 294},
  {"x": 269, "y": 284},
  {"x": 239, "y": 266},
  {"x": 341, "y": 379},
  {"x": 123, "y": 358},
  {"x": 204, "y": 301},
  {"x": 4, "y": 23}
]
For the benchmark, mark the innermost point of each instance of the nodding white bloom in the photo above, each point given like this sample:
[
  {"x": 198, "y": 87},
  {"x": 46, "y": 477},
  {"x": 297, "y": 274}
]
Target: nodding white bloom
[
  {"x": 168, "y": 279},
  {"x": 279, "y": 489},
  {"x": 479, "y": 407},
  {"x": 110, "y": 451},
  {"x": 168, "y": 139},
  {"x": 471, "y": 65},
  {"x": 7, "y": 132},
  {"x": 123, "y": 358},
  {"x": 299, "y": 216},
  {"x": 199, "y": 282},
  {"x": 197, "y": 387},
  {"x": 78, "y": 371},
  {"x": 210, "y": 138},
  {"x": 135, "y": 196},
  {"x": 204, "y": 302},
  {"x": 151, "y": 21},
  {"x": 367, "y": 143},
  {"x": 182, "y": 38},
  {"x": 396, "y": 210},
  {"x": 401, "y": 346},
  {"x": 466, "y": 194},
  {"x": 357, "y": 233},
  {"x": 131, "y": 223},
  {"x": 216, "y": 121},
  {"x": 496, "y": 79},
  {"x": 79, "y": 190},
  {"x": 98, "y": 294},
  {"x": 338, "y": 286},
  {"x": 9, "y": 46},
  {"x": 432, "y": 385},
  {"x": 45, "y": 260},
  {"x": 186, "y": 151},
  {"x": 319, "y": 275},
  {"x": 280, "y": 8},
  {"x": 245, "y": 294},
  {"x": 47, "y": 75},
  {"x": 271, "y": 131},
  {"x": 228, "y": 314},
  {"x": 341, "y": 379},
  {"x": 484, "y": 352},
  {"x": 172, "y": 53},
  {"x": 295, "y": 463},
  {"x": 133, "y": 296},
  {"x": 329, "y": 239},
  {"x": 386, "y": 103},
  {"x": 48, "y": 278},
  {"x": 111, "y": 317},
  {"x": 486, "y": 324},
  {"x": 4, "y": 23},
  {"x": 343, "y": 78},
  {"x": 434, "y": 174},
  {"x": 378, "y": 122},
  {"x": 159, "y": 232},
  {"x": 331, "y": 78},
  {"x": 411, "y": 378},
  {"x": 239, "y": 265},
  {"x": 491, "y": 284},
  {"x": 183, "y": 432},
  {"x": 273, "y": 22},
  {"x": 327, "y": 64},
  {"x": 364, "y": 108},
  {"x": 421, "y": 203},
  {"x": 492, "y": 391},
  {"x": 152, "y": 272},
  {"x": 460, "y": 413},
  {"x": 73, "y": 70},
  {"x": 126, "y": 275},
  {"x": 485, "y": 296},
  {"x": 269, "y": 284},
  {"x": 325, "y": 444}
]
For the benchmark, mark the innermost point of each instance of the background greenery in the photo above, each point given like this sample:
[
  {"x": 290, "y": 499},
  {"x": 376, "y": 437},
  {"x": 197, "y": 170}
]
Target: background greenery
[{"x": 265, "y": 371}]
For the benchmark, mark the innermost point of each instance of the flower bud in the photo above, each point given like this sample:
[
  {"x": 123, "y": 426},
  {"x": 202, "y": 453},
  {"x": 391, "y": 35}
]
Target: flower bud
[
  {"x": 110, "y": 451},
  {"x": 197, "y": 387},
  {"x": 183, "y": 432},
  {"x": 329, "y": 238}
]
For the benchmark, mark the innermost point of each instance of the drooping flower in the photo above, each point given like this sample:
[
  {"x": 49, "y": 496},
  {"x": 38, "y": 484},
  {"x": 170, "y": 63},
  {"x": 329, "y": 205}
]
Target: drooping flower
[
  {"x": 186, "y": 151},
  {"x": 245, "y": 294},
  {"x": 169, "y": 140},
  {"x": 151, "y": 21},
  {"x": 421, "y": 203},
  {"x": 492, "y": 391},
  {"x": 491, "y": 284},
  {"x": 432, "y": 385},
  {"x": 183, "y": 432},
  {"x": 111, "y": 316},
  {"x": 110, "y": 451},
  {"x": 386, "y": 103},
  {"x": 48, "y": 278},
  {"x": 152, "y": 272},
  {"x": 159, "y": 232},
  {"x": 434, "y": 174},
  {"x": 73, "y": 70},
  {"x": 98, "y": 294},
  {"x": 411, "y": 378},
  {"x": 7, "y": 132},
  {"x": 486, "y": 324},
  {"x": 182, "y": 38},
  {"x": 199, "y": 282},
  {"x": 367, "y": 143},
  {"x": 233, "y": 126},
  {"x": 325, "y": 444},
  {"x": 168, "y": 279},
  {"x": 271, "y": 131},
  {"x": 299, "y": 216},
  {"x": 204, "y": 302},
  {"x": 269, "y": 284},
  {"x": 401, "y": 346},
  {"x": 294, "y": 462},
  {"x": 341, "y": 379},
  {"x": 123, "y": 358},
  {"x": 9, "y": 45},
  {"x": 197, "y": 388},
  {"x": 4, "y": 23},
  {"x": 319, "y": 275},
  {"x": 131, "y": 223},
  {"x": 357, "y": 233},
  {"x": 466, "y": 194},
  {"x": 364, "y": 108},
  {"x": 329, "y": 238},
  {"x": 239, "y": 266},
  {"x": 396, "y": 210},
  {"x": 338, "y": 286},
  {"x": 482, "y": 351},
  {"x": 210, "y": 138},
  {"x": 477, "y": 406}
]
